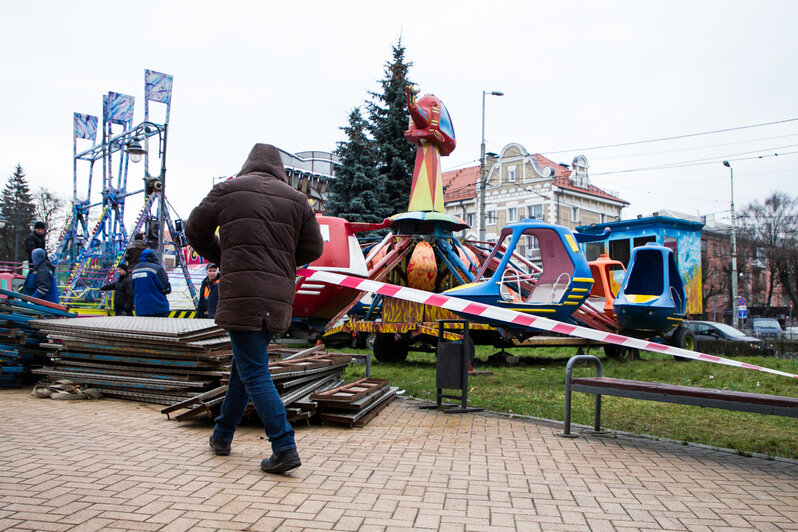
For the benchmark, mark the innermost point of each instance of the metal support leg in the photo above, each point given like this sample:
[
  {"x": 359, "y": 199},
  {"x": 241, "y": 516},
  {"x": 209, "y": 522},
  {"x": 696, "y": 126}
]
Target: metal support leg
[{"x": 566, "y": 432}]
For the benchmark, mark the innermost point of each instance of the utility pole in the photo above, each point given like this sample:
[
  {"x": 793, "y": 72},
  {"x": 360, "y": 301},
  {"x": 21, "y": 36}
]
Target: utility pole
[
  {"x": 482, "y": 176},
  {"x": 733, "y": 250}
]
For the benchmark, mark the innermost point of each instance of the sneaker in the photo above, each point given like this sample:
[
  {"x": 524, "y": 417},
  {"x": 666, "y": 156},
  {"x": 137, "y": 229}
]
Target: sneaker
[
  {"x": 281, "y": 462},
  {"x": 221, "y": 448}
]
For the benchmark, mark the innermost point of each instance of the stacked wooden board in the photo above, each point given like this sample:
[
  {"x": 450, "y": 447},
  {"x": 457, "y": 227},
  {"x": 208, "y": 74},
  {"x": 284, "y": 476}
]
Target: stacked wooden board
[
  {"x": 311, "y": 389},
  {"x": 295, "y": 379},
  {"x": 185, "y": 364},
  {"x": 155, "y": 360},
  {"x": 20, "y": 352},
  {"x": 354, "y": 404}
]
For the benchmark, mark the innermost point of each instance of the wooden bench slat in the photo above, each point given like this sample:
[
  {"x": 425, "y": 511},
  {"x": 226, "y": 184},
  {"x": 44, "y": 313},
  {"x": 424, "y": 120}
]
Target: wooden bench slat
[{"x": 688, "y": 391}]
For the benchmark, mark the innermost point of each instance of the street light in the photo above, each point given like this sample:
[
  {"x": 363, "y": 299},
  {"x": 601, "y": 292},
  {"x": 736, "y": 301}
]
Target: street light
[
  {"x": 134, "y": 150},
  {"x": 482, "y": 176},
  {"x": 733, "y": 249}
]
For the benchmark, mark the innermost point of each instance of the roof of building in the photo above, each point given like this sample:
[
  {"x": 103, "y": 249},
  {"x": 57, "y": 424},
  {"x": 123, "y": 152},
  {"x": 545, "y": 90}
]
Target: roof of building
[
  {"x": 709, "y": 221},
  {"x": 560, "y": 171},
  {"x": 562, "y": 179},
  {"x": 460, "y": 184},
  {"x": 634, "y": 224}
]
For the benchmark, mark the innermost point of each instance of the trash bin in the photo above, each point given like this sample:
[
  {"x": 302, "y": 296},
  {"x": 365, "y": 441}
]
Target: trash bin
[{"x": 451, "y": 369}]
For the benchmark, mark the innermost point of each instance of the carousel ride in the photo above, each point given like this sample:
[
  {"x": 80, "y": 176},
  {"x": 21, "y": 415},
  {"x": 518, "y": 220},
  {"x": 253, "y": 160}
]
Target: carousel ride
[{"x": 421, "y": 251}]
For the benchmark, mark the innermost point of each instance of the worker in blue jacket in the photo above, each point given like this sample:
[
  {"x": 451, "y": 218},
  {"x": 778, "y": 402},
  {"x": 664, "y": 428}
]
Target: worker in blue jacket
[
  {"x": 45, "y": 286},
  {"x": 150, "y": 286}
]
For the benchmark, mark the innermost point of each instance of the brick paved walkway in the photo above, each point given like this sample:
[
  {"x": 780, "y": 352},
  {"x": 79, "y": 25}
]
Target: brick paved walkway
[{"x": 117, "y": 465}]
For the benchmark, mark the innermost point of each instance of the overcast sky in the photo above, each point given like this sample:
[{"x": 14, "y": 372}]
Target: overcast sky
[{"x": 576, "y": 75}]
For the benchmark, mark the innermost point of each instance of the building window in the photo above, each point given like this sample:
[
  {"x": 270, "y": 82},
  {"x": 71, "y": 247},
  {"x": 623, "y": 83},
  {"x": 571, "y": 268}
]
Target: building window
[
  {"x": 574, "y": 214},
  {"x": 512, "y": 214},
  {"x": 491, "y": 217},
  {"x": 470, "y": 219},
  {"x": 511, "y": 174},
  {"x": 536, "y": 211}
]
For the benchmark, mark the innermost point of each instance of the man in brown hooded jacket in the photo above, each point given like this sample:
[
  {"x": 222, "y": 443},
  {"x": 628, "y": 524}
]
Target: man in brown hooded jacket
[{"x": 266, "y": 229}]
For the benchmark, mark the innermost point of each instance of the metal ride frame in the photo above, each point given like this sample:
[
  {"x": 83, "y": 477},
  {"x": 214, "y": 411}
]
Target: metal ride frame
[{"x": 100, "y": 249}]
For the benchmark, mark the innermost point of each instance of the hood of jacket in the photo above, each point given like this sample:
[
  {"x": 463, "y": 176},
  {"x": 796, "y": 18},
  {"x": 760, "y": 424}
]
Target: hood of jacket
[
  {"x": 39, "y": 255},
  {"x": 265, "y": 158},
  {"x": 149, "y": 255}
]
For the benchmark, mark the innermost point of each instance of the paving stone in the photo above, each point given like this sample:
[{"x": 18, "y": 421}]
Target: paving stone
[{"x": 116, "y": 465}]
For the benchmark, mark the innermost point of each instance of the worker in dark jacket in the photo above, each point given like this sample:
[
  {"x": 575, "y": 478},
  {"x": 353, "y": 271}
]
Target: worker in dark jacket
[
  {"x": 134, "y": 249},
  {"x": 35, "y": 240},
  {"x": 44, "y": 272},
  {"x": 150, "y": 286},
  {"x": 266, "y": 229},
  {"x": 209, "y": 293},
  {"x": 123, "y": 291}
]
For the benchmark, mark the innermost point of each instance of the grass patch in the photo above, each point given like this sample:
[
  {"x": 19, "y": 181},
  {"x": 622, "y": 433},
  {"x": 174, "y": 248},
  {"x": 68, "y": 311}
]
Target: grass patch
[{"x": 536, "y": 388}]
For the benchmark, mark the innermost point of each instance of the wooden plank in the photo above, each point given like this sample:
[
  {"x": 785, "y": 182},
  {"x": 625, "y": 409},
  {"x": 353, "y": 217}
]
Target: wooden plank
[
  {"x": 374, "y": 395},
  {"x": 210, "y": 394},
  {"x": 688, "y": 391},
  {"x": 305, "y": 352},
  {"x": 318, "y": 361},
  {"x": 379, "y": 407},
  {"x": 351, "y": 418},
  {"x": 350, "y": 392}
]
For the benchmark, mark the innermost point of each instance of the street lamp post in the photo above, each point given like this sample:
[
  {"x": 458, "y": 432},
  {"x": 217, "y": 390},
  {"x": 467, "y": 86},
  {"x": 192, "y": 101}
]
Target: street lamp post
[
  {"x": 136, "y": 151},
  {"x": 482, "y": 176},
  {"x": 733, "y": 249}
]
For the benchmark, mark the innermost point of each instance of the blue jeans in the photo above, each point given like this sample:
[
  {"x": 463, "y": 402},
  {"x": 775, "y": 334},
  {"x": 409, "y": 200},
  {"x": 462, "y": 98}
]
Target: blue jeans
[{"x": 250, "y": 379}]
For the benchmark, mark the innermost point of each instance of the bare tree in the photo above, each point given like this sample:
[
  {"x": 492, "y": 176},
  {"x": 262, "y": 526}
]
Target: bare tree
[
  {"x": 50, "y": 209},
  {"x": 770, "y": 229}
]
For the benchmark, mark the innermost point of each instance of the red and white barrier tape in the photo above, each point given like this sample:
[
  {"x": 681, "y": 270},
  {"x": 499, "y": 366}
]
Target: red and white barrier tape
[{"x": 517, "y": 319}]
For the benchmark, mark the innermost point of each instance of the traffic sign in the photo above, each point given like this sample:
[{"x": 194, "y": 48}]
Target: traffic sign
[
  {"x": 742, "y": 313},
  {"x": 741, "y": 302}
]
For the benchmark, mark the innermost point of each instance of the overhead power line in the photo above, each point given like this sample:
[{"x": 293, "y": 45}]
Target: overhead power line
[
  {"x": 691, "y": 148},
  {"x": 700, "y": 162},
  {"x": 688, "y": 135}
]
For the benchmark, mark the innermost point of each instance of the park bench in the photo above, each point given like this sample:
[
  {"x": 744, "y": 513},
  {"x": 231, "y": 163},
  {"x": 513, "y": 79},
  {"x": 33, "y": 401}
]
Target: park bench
[{"x": 667, "y": 393}]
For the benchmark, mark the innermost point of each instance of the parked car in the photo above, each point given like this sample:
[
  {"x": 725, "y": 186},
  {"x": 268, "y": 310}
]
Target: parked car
[
  {"x": 791, "y": 333},
  {"x": 710, "y": 330},
  {"x": 767, "y": 328},
  {"x": 718, "y": 331}
]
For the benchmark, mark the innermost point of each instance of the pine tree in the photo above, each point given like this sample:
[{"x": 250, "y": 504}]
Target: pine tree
[
  {"x": 358, "y": 192},
  {"x": 18, "y": 212},
  {"x": 388, "y": 119}
]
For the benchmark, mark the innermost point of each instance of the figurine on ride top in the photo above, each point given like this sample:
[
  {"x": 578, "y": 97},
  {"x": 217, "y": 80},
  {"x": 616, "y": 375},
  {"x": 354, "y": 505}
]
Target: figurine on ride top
[{"x": 432, "y": 131}]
